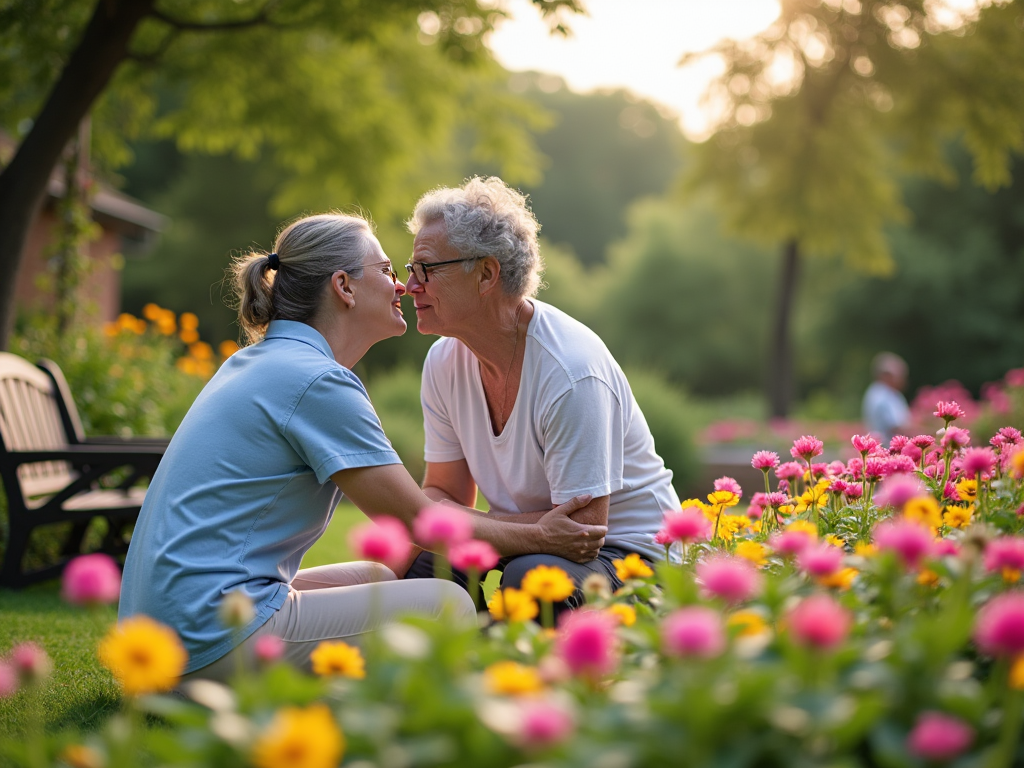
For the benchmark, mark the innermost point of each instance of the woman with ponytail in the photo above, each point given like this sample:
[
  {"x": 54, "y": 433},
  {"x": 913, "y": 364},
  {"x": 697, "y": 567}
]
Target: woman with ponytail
[{"x": 251, "y": 477}]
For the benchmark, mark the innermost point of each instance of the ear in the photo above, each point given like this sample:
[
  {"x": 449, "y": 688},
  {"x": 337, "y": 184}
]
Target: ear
[
  {"x": 490, "y": 275},
  {"x": 341, "y": 288}
]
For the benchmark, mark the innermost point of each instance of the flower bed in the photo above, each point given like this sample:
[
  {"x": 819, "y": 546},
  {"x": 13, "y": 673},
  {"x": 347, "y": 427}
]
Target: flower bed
[{"x": 866, "y": 612}]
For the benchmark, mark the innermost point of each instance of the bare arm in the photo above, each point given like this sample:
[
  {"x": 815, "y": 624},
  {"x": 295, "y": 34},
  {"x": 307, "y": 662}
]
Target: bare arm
[{"x": 390, "y": 490}]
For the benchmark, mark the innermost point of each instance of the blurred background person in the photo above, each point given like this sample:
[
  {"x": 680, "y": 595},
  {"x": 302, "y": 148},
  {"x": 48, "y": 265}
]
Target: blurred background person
[{"x": 884, "y": 409}]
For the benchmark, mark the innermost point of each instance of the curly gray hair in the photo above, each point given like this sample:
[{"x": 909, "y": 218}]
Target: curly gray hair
[{"x": 486, "y": 217}]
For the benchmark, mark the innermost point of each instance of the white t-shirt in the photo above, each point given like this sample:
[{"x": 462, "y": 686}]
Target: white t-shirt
[
  {"x": 884, "y": 410},
  {"x": 575, "y": 428}
]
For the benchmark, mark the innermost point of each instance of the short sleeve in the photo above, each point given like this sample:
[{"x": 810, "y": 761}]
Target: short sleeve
[
  {"x": 333, "y": 427},
  {"x": 441, "y": 443},
  {"x": 583, "y": 433}
]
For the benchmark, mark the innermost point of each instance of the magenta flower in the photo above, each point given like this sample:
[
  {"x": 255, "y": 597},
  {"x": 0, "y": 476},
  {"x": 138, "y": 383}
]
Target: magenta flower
[
  {"x": 820, "y": 560},
  {"x": 950, "y": 492},
  {"x": 728, "y": 484},
  {"x": 819, "y": 622},
  {"x": 978, "y": 461},
  {"x": 855, "y": 467},
  {"x": 899, "y": 463},
  {"x": 91, "y": 580},
  {"x": 791, "y": 542},
  {"x": 955, "y": 437},
  {"x": 911, "y": 542},
  {"x": 923, "y": 441},
  {"x": 1005, "y": 552},
  {"x": 950, "y": 411},
  {"x": 544, "y": 724},
  {"x": 693, "y": 631},
  {"x": 898, "y": 443},
  {"x": 838, "y": 486},
  {"x": 732, "y": 579},
  {"x": 473, "y": 555},
  {"x": 806, "y": 448},
  {"x": 31, "y": 662},
  {"x": 765, "y": 460},
  {"x": 836, "y": 468},
  {"x": 938, "y": 736},
  {"x": 586, "y": 643},
  {"x": 863, "y": 444},
  {"x": 912, "y": 452},
  {"x": 686, "y": 525},
  {"x": 383, "y": 540},
  {"x": 1010, "y": 435},
  {"x": 999, "y": 629},
  {"x": 441, "y": 526},
  {"x": 875, "y": 468},
  {"x": 854, "y": 491},
  {"x": 896, "y": 490},
  {"x": 789, "y": 471},
  {"x": 663, "y": 537},
  {"x": 268, "y": 648},
  {"x": 8, "y": 680},
  {"x": 945, "y": 548},
  {"x": 775, "y": 499}
]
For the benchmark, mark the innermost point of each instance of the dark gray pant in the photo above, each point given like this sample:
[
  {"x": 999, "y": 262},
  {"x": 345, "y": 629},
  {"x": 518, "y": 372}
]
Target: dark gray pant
[{"x": 513, "y": 569}]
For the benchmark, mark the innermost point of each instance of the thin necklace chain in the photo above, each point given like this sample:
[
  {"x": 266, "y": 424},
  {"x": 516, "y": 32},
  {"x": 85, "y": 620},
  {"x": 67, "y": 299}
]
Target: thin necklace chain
[{"x": 515, "y": 347}]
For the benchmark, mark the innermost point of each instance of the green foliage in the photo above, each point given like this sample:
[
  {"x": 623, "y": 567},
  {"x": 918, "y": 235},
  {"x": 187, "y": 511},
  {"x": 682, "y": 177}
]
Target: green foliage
[{"x": 396, "y": 398}]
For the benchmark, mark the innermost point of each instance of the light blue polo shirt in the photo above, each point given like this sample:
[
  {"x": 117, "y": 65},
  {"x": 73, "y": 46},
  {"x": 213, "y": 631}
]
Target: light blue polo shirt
[{"x": 245, "y": 487}]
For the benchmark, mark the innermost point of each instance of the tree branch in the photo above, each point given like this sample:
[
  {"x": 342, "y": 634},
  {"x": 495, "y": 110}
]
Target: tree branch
[{"x": 262, "y": 17}]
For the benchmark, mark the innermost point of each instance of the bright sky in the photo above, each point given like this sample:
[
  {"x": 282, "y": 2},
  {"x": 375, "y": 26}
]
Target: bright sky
[{"x": 634, "y": 44}]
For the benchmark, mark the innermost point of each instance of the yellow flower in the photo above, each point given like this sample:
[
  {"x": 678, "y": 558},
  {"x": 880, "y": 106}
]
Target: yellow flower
[
  {"x": 200, "y": 350},
  {"x": 815, "y": 496},
  {"x": 152, "y": 311},
  {"x": 805, "y": 526},
  {"x": 188, "y": 321},
  {"x": 81, "y": 756},
  {"x": 753, "y": 551},
  {"x": 1011, "y": 575},
  {"x": 924, "y": 510},
  {"x": 865, "y": 549},
  {"x": 548, "y": 583},
  {"x": 1017, "y": 674},
  {"x": 835, "y": 541},
  {"x": 300, "y": 738},
  {"x": 189, "y": 336},
  {"x": 227, "y": 348},
  {"x": 625, "y": 614},
  {"x": 730, "y": 525},
  {"x": 748, "y": 623},
  {"x": 144, "y": 655},
  {"x": 723, "y": 499},
  {"x": 841, "y": 579},
  {"x": 756, "y": 526},
  {"x": 693, "y": 503},
  {"x": 1017, "y": 464},
  {"x": 633, "y": 567},
  {"x": 187, "y": 365},
  {"x": 335, "y": 658},
  {"x": 111, "y": 329},
  {"x": 967, "y": 489},
  {"x": 508, "y": 678},
  {"x": 926, "y": 577},
  {"x": 957, "y": 517},
  {"x": 512, "y": 605}
]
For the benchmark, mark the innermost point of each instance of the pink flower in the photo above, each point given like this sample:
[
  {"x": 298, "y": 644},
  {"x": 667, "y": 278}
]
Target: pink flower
[
  {"x": 441, "y": 526},
  {"x": 819, "y": 622},
  {"x": 895, "y": 465},
  {"x": 945, "y": 548},
  {"x": 855, "y": 467},
  {"x": 663, "y": 537},
  {"x": 765, "y": 460},
  {"x": 978, "y": 461},
  {"x": 875, "y": 468},
  {"x": 8, "y": 680},
  {"x": 923, "y": 441},
  {"x": 910, "y": 541},
  {"x": 91, "y": 580},
  {"x": 728, "y": 484},
  {"x": 999, "y": 629},
  {"x": 544, "y": 724},
  {"x": 838, "y": 486},
  {"x": 686, "y": 525},
  {"x": 732, "y": 579},
  {"x": 806, "y": 448},
  {"x": 912, "y": 452},
  {"x": 268, "y": 648},
  {"x": 789, "y": 471},
  {"x": 1005, "y": 552},
  {"x": 939, "y": 737},
  {"x": 694, "y": 631},
  {"x": 1010, "y": 435},
  {"x": 820, "y": 560},
  {"x": 586, "y": 642},
  {"x": 898, "y": 489},
  {"x": 949, "y": 492},
  {"x": 854, "y": 491},
  {"x": 1014, "y": 377},
  {"x": 473, "y": 555},
  {"x": 949, "y": 411},
  {"x": 955, "y": 437},
  {"x": 819, "y": 469},
  {"x": 383, "y": 540},
  {"x": 31, "y": 662},
  {"x": 864, "y": 444},
  {"x": 775, "y": 499},
  {"x": 898, "y": 443},
  {"x": 836, "y": 468},
  {"x": 791, "y": 542}
]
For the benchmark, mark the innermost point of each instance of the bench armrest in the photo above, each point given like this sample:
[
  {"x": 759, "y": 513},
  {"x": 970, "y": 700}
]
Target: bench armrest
[{"x": 90, "y": 454}]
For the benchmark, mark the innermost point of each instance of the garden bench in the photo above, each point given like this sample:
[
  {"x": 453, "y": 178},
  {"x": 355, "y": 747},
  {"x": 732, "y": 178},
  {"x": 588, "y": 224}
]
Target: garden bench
[{"x": 51, "y": 472}]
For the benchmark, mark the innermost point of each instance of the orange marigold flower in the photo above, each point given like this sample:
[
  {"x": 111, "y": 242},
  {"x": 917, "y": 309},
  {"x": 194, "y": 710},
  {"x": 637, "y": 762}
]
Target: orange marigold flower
[
  {"x": 548, "y": 583},
  {"x": 144, "y": 655},
  {"x": 624, "y": 614},
  {"x": 300, "y": 738},
  {"x": 512, "y": 605},
  {"x": 632, "y": 567},
  {"x": 338, "y": 659},
  {"x": 509, "y": 678}
]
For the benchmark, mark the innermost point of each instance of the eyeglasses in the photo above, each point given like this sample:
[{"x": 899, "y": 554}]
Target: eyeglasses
[
  {"x": 390, "y": 270},
  {"x": 418, "y": 269}
]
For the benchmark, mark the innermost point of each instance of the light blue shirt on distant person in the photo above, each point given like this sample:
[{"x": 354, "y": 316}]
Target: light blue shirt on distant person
[
  {"x": 884, "y": 410},
  {"x": 245, "y": 487}
]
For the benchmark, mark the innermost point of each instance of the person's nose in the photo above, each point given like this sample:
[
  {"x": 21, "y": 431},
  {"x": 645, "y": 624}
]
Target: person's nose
[
  {"x": 413, "y": 285},
  {"x": 400, "y": 288}
]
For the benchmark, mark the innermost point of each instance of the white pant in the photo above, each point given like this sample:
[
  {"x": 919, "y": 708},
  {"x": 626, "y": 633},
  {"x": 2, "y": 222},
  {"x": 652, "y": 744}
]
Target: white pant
[{"x": 344, "y": 601}]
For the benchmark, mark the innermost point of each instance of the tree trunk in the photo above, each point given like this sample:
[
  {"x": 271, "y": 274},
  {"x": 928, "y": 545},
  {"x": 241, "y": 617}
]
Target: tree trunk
[
  {"x": 104, "y": 45},
  {"x": 780, "y": 360}
]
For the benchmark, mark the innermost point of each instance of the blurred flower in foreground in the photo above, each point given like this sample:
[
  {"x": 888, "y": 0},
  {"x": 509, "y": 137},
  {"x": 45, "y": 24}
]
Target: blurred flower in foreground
[
  {"x": 938, "y": 736},
  {"x": 999, "y": 628},
  {"x": 300, "y": 738},
  {"x": 236, "y": 609},
  {"x": 338, "y": 659},
  {"x": 510, "y": 678},
  {"x": 268, "y": 648},
  {"x": 144, "y": 655},
  {"x": 548, "y": 583},
  {"x": 512, "y": 604},
  {"x": 586, "y": 642},
  {"x": 91, "y": 580},
  {"x": 473, "y": 555},
  {"x": 732, "y": 579},
  {"x": 31, "y": 663},
  {"x": 441, "y": 526},
  {"x": 819, "y": 622},
  {"x": 693, "y": 631},
  {"x": 632, "y": 567},
  {"x": 81, "y": 756},
  {"x": 383, "y": 540},
  {"x": 8, "y": 680}
]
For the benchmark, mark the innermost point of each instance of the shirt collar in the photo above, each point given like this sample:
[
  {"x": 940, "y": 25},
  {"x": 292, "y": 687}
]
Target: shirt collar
[{"x": 296, "y": 331}]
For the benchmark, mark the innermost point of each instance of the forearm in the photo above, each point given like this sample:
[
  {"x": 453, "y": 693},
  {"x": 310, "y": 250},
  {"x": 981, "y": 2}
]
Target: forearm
[{"x": 594, "y": 513}]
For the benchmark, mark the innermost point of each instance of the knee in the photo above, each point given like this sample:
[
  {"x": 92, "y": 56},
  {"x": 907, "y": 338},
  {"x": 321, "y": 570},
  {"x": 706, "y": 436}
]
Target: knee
[
  {"x": 455, "y": 601},
  {"x": 517, "y": 568},
  {"x": 377, "y": 572}
]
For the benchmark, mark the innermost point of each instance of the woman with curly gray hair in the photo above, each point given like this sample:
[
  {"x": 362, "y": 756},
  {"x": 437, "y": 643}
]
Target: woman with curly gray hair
[{"x": 519, "y": 399}]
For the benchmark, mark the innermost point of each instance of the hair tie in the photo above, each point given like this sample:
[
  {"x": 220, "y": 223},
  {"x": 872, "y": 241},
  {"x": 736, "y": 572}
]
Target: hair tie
[{"x": 273, "y": 261}]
